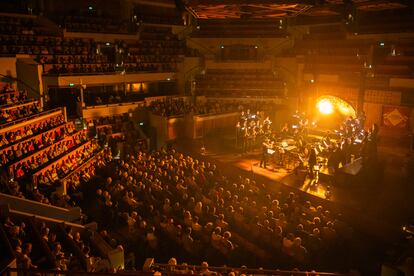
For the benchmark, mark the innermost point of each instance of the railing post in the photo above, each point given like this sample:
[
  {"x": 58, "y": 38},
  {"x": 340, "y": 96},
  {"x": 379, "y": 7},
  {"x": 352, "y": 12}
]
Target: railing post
[{"x": 64, "y": 113}]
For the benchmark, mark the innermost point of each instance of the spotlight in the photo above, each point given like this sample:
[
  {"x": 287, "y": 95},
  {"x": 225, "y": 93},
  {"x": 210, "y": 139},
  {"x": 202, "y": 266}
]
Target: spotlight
[{"x": 325, "y": 107}]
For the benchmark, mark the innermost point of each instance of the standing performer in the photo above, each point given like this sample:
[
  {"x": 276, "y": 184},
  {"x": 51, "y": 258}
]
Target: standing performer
[
  {"x": 265, "y": 147},
  {"x": 238, "y": 135},
  {"x": 312, "y": 161}
]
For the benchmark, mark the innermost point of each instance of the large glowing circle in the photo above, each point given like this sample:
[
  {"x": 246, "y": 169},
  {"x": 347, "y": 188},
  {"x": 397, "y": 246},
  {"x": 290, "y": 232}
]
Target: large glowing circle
[{"x": 325, "y": 107}]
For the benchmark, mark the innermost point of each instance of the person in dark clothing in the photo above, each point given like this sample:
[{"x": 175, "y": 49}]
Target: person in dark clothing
[
  {"x": 263, "y": 160},
  {"x": 312, "y": 161}
]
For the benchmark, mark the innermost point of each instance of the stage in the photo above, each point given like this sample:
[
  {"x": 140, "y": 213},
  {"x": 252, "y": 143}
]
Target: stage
[{"x": 222, "y": 150}]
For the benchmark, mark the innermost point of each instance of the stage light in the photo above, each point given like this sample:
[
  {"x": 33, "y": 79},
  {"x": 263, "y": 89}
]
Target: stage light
[
  {"x": 325, "y": 107},
  {"x": 345, "y": 110}
]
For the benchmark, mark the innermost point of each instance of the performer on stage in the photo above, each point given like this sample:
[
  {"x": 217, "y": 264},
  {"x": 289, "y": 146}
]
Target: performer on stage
[
  {"x": 265, "y": 147},
  {"x": 312, "y": 161},
  {"x": 284, "y": 132}
]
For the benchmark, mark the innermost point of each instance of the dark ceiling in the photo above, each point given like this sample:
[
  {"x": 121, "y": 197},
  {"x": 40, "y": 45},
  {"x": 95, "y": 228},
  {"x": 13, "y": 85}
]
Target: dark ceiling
[{"x": 268, "y": 9}]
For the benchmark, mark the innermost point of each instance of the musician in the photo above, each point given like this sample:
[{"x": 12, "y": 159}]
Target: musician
[
  {"x": 284, "y": 132},
  {"x": 243, "y": 116},
  {"x": 326, "y": 141},
  {"x": 361, "y": 119},
  {"x": 312, "y": 161},
  {"x": 335, "y": 157},
  {"x": 238, "y": 134},
  {"x": 300, "y": 144},
  {"x": 258, "y": 115},
  {"x": 267, "y": 121},
  {"x": 246, "y": 139},
  {"x": 281, "y": 156},
  {"x": 265, "y": 146},
  {"x": 345, "y": 148}
]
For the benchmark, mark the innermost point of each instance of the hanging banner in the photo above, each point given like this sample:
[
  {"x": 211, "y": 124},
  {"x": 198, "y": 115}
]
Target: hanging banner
[{"x": 395, "y": 116}]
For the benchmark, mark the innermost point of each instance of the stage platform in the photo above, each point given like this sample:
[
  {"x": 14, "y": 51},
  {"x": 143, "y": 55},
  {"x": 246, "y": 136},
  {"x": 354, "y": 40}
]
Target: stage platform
[{"x": 223, "y": 152}]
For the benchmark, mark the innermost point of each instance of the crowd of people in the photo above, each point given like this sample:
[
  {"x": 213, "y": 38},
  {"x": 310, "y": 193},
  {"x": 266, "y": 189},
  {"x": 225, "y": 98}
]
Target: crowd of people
[
  {"x": 69, "y": 69},
  {"x": 241, "y": 82},
  {"x": 42, "y": 157},
  {"x": 90, "y": 58},
  {"x": 40, "y": 245},
  {"x": 157, "y": 50},
  {"x": 12, "y": 97},
  {"x": 251, "y": 129},
  {"x": 165, "y": 198},
  {"x": 169, "y": 107},
  {"x": 63, "y": 167},
  {"x": 103, "y": 96},
  {"x": 179, "y": 106},
  {"x": 16, "y": 112},
  {"x": 29, "y": 146},
  {"x": 150, "y": 67},
  {"x": 12, "y": 137},
  {"x": 95, "y": 24},
  {"x": 17, "y": 26},
  {"x": 168, "y": 204},
  {"x": 44, "y": 46}
]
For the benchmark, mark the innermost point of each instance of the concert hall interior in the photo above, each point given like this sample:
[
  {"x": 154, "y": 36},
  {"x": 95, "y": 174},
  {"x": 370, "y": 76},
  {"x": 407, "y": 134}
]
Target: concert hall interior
[{"x": 207, "y": 137}]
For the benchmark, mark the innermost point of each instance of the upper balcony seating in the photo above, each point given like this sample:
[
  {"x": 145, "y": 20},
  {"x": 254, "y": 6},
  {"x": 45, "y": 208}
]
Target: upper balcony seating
[
  {"x": 26, "y": 129},
  {"x": 239, "y": 82},
  {"x": 26, "y": 147},
  {"x": 41, "y": 157},
  {"x": 10, "y": 113},
  {"x": 95, "y": 24}
]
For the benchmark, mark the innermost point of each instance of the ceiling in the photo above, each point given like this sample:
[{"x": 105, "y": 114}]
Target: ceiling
[{"x": 268, "y": 9}]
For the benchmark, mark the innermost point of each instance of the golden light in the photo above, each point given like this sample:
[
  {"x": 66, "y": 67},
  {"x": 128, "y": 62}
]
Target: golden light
[
  {"x": 329, "y": 104},
  {"x": 325, "y": 107}
]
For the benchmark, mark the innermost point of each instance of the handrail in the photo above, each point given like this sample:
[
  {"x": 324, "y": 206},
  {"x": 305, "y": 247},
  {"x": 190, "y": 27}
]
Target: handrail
[
  {"x": 177, "y": 273},
  {"x": 19, "y": 104},
  {"x": 91, "y": 159},
  {"x": 9, "y": 198},
  {"x": 57, "y": 160},
  {"x": 122, "y": 73},
  {"x": 30, "y": 117},
  {"x": 216, "y": 114},
  {"x": 168, "y": 267},
  {"x": 4, "y": 265},
  {"x": 37, "y": 136},
  {"x": 115, "y": 104},
  {"x": 69, "y": 137}
]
